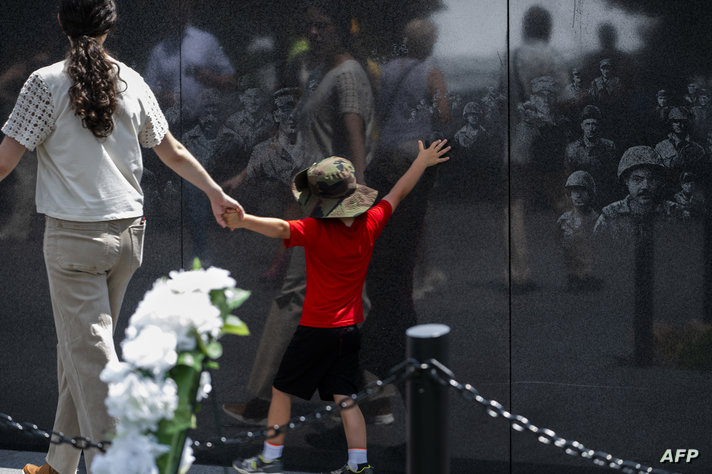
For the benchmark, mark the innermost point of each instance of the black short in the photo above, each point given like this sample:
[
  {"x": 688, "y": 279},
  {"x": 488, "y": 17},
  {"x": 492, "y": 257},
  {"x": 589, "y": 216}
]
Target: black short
[{"x": 320, "y": 358}]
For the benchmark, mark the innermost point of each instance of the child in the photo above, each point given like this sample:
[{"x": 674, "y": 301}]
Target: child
[
  {"x": 338, "y": 239},
  {"x": 575, "y": 229}
]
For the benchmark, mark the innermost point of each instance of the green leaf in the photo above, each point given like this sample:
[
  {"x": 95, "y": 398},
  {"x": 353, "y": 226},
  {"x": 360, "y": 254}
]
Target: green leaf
[
  {"x": 213, "y": 350},
  {"x": 239, "y": 297},
  {"x": 192, "y": 359},
  {"x": 196, "y": 264},
  {"x": 234, "y": 325}
]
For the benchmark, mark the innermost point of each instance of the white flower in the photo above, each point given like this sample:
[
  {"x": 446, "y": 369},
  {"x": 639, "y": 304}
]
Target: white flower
[
  {"x": 115, "y": 372},
  {"x": 140, "y": 402},
  {"x": 129, "y": 455},
  {"x": 205, "y": 386},
  {"x": 150, "y": 348},
  {"x": 187, "y": 459},
  {"x": 179, "y": 313},
  {"x": 200, "y": 280}
]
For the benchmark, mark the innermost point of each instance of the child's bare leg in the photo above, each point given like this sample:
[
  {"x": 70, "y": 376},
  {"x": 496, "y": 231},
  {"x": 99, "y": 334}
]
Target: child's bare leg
[
  {"x": 280, "y": 410},
  {"x": 354, "y": 424}
]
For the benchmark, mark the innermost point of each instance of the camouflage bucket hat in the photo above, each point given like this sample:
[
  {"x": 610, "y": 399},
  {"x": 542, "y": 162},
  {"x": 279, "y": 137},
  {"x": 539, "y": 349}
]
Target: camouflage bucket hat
[{"x": 329, "y": 189}]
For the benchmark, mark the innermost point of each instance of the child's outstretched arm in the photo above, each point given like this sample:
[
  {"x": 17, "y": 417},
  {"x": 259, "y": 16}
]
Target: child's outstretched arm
[
  {"x": 269, "y": 226},
  {"x": 430, "y": 156}
]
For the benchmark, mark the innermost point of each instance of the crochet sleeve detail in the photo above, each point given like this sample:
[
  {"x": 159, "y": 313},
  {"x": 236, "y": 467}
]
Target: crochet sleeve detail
[
  {"x": 155, "y": 127},
  {"x": 32, "y": 120}
]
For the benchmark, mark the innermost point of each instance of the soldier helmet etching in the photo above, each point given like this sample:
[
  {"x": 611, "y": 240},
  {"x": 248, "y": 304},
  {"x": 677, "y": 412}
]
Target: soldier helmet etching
[
  {"x": 639, "y": 156},
  {"x": 581, "y": 179}
]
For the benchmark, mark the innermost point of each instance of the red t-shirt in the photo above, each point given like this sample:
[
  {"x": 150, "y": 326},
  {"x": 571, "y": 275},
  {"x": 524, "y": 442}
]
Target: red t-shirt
[{"x": 337, "y": 258}]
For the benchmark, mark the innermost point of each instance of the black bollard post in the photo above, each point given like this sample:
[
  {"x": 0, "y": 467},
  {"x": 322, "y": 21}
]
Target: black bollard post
[{"x": 427, "y": 404}]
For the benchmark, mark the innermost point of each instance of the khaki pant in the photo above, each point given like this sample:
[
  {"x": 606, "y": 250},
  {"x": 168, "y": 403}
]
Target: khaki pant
[{"x": 89, "y": 265}]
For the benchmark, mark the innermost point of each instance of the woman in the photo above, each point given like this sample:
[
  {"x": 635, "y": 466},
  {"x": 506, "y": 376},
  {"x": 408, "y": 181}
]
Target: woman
[{"x": 87, "y": 117}]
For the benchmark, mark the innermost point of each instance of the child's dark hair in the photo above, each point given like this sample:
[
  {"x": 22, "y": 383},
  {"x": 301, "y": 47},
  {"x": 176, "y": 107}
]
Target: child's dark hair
[{"x": 93, "y": 93}]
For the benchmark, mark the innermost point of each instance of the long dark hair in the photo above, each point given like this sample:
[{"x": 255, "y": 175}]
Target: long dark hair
[{"x": 94, "y": 77}]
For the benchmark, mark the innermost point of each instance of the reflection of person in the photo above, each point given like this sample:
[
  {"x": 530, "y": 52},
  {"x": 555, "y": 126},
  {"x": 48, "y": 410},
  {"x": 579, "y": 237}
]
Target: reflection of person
[
  {"x": 575, "y": 230},
  {"x": 533, "y": 65},
  {"x": 334, "y": 118},
  {"x": 405, "y": 83},
  {"x": 185, "y": 65},
  {"x": 202, "y": 140},
  {"x": 338, "y": 239},
  {"x": 642, "y": 171},
  {"x": 93, "y": 203}
]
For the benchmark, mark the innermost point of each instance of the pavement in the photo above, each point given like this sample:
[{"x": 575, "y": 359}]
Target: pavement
[{"x": 11, "y": 462}]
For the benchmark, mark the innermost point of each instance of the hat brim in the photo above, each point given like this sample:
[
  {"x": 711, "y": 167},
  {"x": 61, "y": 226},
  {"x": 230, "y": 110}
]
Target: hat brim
[{"x": 313, "y": 205}]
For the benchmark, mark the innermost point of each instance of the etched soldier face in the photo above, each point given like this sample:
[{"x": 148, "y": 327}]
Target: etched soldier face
[
  {"x": 252, "y": 100},
  {"x": 662, "y": 100},
  {"x": 607, "y": 71},
  {"x": 678, "y": 126},
  {"x": 580, "y": 197},
  {"x": 644, "y": 185},
  {"x": 590, "y": 128},
  {"x": 692, "y": 88},
  {"x": 472, "y": 119}
]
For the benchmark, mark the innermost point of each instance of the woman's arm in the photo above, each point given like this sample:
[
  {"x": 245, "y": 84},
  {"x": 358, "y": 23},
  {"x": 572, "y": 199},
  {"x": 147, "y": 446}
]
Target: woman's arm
[
  {"x": 11, "y": 152},
  {"x": 268, "y": 226},
  {"x": 174, "y": 155}
]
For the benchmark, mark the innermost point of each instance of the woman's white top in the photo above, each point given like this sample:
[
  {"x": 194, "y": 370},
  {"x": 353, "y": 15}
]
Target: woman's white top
[{"x": 81, "y": 177}]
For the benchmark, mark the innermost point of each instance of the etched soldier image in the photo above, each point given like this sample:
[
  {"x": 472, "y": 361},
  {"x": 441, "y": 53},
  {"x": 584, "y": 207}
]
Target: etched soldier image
[
  {"x": 472, "y": 133},
  {"x": 691, "y": 197},
  {"x": 243, "y": 130},
  {"x": 643, "y": 172},
  {"x": 594, "y": 154},
  {"x": 702, "y": 116},
  {"x": 656, "y": 119},
  {"x": 274, "y": 161},
  {"x": 679, "y": 152},
  {"x": 575, "y": 228}
]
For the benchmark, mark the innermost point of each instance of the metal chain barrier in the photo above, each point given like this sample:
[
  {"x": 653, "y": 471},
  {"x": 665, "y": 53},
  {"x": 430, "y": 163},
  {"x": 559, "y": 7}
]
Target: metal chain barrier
[
  {"x": 397, "y": 374},
  {"x": 53, "y": 437},
  {"x": 400, "y": 373},
  {"x": 445, "y": 377}
]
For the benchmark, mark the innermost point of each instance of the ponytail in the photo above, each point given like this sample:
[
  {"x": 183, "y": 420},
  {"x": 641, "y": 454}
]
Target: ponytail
[{"x": 94, "y": 91}]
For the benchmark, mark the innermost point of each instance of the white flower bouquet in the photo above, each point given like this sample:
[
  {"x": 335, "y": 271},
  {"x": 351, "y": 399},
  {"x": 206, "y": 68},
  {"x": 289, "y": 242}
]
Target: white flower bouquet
[{"x": 171, "y": 340}]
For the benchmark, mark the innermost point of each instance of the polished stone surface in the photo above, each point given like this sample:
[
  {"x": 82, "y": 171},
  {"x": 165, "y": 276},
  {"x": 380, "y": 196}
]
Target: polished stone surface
[{"x": 572, "y": 358}]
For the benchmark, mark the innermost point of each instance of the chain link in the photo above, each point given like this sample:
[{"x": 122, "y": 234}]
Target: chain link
[
  {"x": 407, "y": 369},
  {"x": 443, "y": 376},
  {"x": 397, "y": 374},
  {"x": 54, "y": 437}
]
